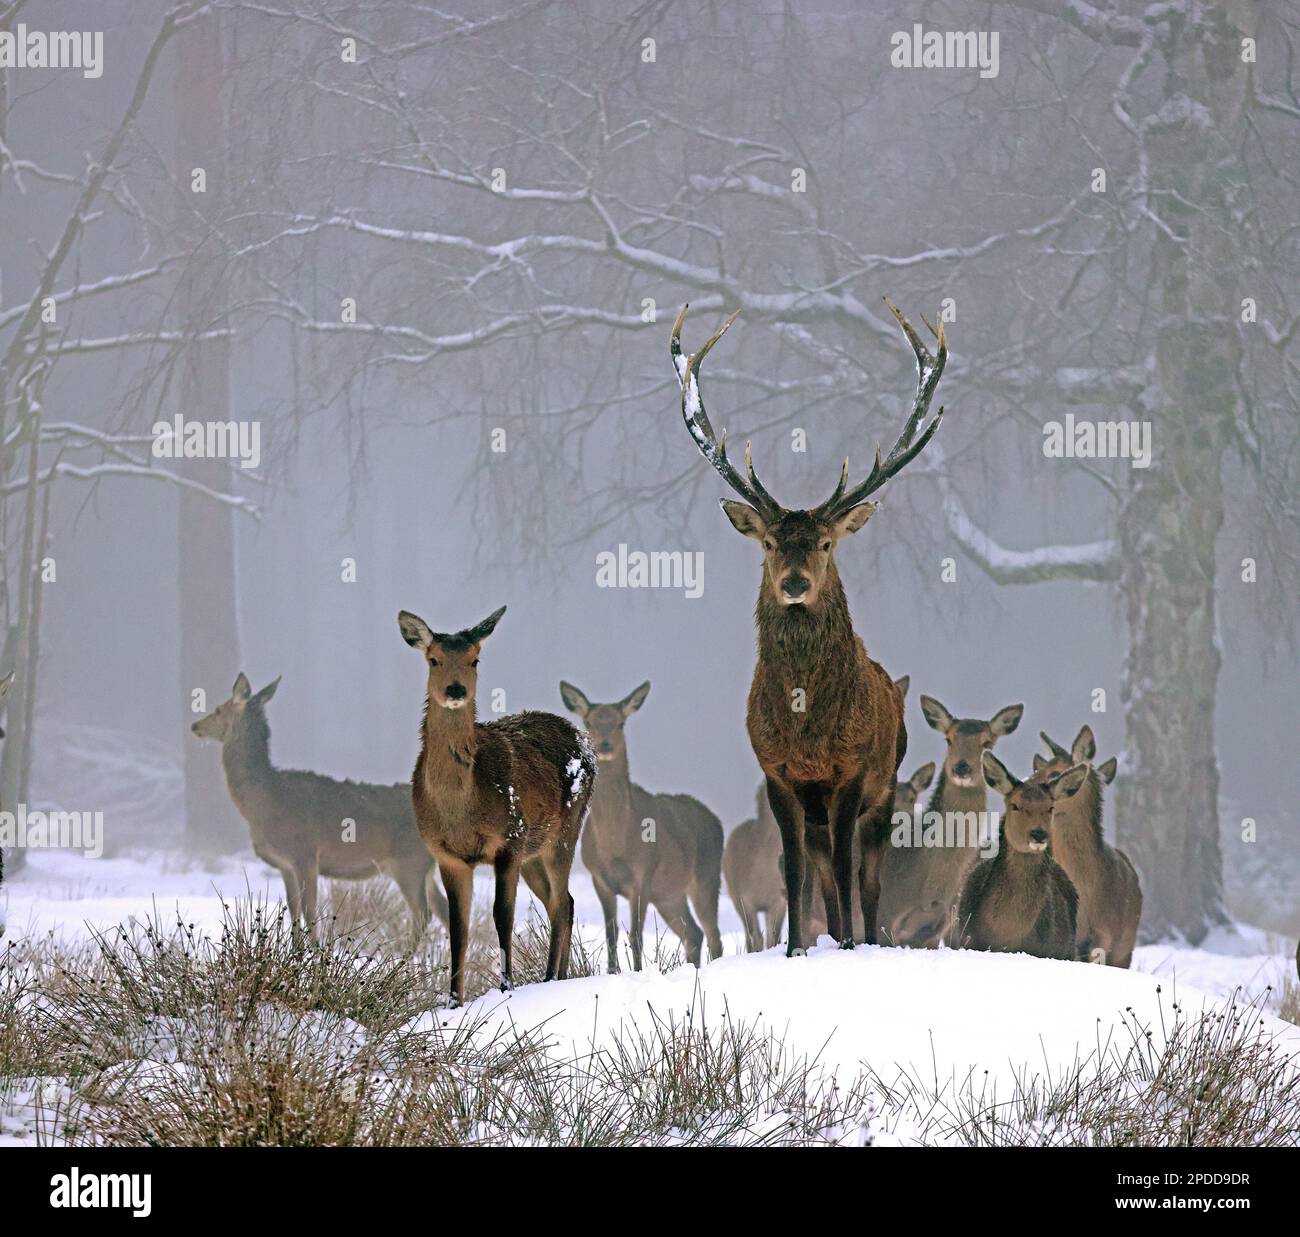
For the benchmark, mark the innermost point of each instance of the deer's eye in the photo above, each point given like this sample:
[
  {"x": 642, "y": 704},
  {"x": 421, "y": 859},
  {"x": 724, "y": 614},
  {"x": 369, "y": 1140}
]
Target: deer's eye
[
  {"x": 474, "y": 662},
  {"x": 768, "y": 544},
  {"x": 826, "y": 545},
  {"x": 433, "y": 661}
]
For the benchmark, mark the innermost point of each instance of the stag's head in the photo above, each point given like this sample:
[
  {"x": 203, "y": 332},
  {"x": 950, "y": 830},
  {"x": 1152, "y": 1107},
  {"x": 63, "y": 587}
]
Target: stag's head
[
  {"x": 1027, "y": 821},
  {"x": 968, "y": 738},
  {"x": 604, "y": 722},
  {"x": 799, "y": 545},
  {"x": 452, "y": 657},
  {"x": 225, "y": 721},
  {"x": 1082, "y": 752}
]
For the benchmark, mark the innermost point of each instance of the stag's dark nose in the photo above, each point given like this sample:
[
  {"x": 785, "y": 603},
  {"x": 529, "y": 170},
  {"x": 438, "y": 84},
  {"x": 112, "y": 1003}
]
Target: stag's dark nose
[
  {"x": 455, "y": 691},
  {"x": 795, "y": 586},
  {"x": 1038, "y": 835},
  {"x": 961, "y": 769}
]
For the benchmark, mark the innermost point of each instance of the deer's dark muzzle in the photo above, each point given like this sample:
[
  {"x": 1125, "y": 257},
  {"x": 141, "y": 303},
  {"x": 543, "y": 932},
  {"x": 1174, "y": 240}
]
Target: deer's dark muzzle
[
  {"x": 1038, "y": 835},
  {"x": 961, "y": 769},
  {"x": 795, "y": 586},
  {"x": 456, "y": 691}
]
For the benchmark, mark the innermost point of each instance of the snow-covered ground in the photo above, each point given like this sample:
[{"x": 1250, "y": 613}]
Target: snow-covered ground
[{"x": 938, "y": 1012}]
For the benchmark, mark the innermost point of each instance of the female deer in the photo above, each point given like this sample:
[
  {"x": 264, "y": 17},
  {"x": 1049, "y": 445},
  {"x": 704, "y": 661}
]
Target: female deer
[{"x": 512, "y": 793}]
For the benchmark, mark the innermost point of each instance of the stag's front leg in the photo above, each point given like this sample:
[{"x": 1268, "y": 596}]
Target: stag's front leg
[
  {"x": 789, "y": 819},
  {"x": 845, "y": 803}
]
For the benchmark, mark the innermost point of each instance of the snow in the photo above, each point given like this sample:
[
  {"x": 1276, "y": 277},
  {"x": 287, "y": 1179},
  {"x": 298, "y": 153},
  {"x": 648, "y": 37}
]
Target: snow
[{"x": 931, "y": 1012}]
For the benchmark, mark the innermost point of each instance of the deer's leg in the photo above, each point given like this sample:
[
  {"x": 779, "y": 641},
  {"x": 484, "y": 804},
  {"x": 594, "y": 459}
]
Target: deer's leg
[
  {"x": 775, "y": 914},
  {"x": 753, "y": 931},
  {"x": 503, "y": 913},
  {"x": 845, "y": 804},
  {"x": 559, "y": 908},
  {"x": 706, "y": 888},
  {"x": 293, "y": 897},
  {"x": 458, "y": 880},
  {"x": 789, "y": 819},
  {"x": 638, "y": 902},
  {"x": 608, "y": 908},
  {"x": 435, "y": 900},
  {"x": 869, "y": 861},
  {"x": 677, "y": 915},
  {"x": 309, "y": 875}
]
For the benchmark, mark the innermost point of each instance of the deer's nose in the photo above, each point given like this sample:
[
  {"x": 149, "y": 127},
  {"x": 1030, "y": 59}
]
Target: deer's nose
[
  {"x": 606, "y": 746},
  {"x": 795, "y": 585},
  {"x": 961, "y": 769},
  {"x": 1038, "y": 835},
  {"x": 455, "y": 691}
]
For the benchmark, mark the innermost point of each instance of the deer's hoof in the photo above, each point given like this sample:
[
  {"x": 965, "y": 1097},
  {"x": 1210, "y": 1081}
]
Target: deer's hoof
[
  {"x": 847, "y": 944},
  {"x": 508, "y": 985},
  {"x": 801, "y": 952}
]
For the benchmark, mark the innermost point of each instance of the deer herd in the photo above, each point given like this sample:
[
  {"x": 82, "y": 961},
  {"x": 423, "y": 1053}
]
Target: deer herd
[{"x": 826, "y": 851}]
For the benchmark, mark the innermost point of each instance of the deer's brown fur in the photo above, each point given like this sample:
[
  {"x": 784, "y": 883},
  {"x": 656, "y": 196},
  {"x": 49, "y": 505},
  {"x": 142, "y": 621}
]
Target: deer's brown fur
[
  {"x": 1110, "y": 894},
  {"x": 751, "y": 864},
  {"x": 512, "y": 793},
  {"x": 824, "y": 719},
  {"x": 296, "y": 819},
  {"x": 920, "y": 886},
  {"x": 675, "y": 867},
  {"x": 1020, "y": 900}
]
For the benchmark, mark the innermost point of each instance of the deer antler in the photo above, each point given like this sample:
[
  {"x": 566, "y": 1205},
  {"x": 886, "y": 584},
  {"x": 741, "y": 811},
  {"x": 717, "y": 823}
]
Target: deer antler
[
  {"x": 929, "y": 369},
  {"x": 713, "y": 448}
]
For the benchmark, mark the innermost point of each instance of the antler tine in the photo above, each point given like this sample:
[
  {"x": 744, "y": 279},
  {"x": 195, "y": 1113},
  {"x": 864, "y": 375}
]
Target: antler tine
[
  {"x": 929, "y": 369},
  {"x": 713, "y": 448}
]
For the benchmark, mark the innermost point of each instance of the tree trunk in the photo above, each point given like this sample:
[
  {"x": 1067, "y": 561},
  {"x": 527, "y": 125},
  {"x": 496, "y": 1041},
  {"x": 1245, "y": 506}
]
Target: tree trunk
[
  {"x": 209, "y": 639},
  {"x": 1167, "y": 808}
]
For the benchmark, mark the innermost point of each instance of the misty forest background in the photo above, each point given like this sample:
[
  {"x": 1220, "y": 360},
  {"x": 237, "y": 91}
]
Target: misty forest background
[{"x": 516, "y": 299}]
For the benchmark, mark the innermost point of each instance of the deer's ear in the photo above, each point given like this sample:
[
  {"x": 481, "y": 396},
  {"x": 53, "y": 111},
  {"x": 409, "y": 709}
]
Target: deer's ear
[
  {"x": 854, "y": 519},
  {"x": 1004, "y": 721},
  {"x": 745, "y": 519},
  {"x": 997, "y": 775},
  {"x": 574, "y": 700},
  {"x": 1066, "y": 785},
  {"x": 242, "y": 688},
  {"x": 935, "y": 714},
  {"x": 481, "y": 631},
  {"x": 1107, "y": 770},
  {"x": 1039, "y": 762},
  {"x": 903, "y": 684},
  {"x": 268, "y": 691},
  {"x": 629, "y": 704},
  {"x": 1085, "y": 746},
  {"x": 922, "y": 777},
  {"x": 415, "y": 631}
]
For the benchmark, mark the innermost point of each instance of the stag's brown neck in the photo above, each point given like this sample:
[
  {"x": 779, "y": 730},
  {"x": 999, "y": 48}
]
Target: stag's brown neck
[
  {"x": 450, "y": 745},
  {"x": 810, "y": 643}
]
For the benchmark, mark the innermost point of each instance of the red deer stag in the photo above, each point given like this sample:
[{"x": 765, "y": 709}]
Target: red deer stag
[
  {"x": 511, "y": 792},
  {"x": 920, "y": 885},
  {"x": 1110, "y": 894},
  {"x": 683, "y": 858},
  {"x": 1020, "y": 900},
  {"x": 824, "y": 719},
  {"x": 308, "y": 825}
]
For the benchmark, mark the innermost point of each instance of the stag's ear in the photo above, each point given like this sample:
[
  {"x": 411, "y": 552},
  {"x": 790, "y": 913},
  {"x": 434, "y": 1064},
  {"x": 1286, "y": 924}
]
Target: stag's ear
[
  {"x": 1107, "y": 770},
  {"x": 745, "y": 519},
  {"x": 997, "y": 775},
  {"x": 242, "y": 688},
  {"x": 1052, "y": 746},
  {"x": 481, "y": 631},
  {"x": 1004, "y": 721},
  {"x": 903, "y": 684},
  {"x": 1066, "y": 785},
  {"x": 935, "y": 714},
  {"x": 268, "y": 691},
  {"x": 854, "y": 519},
  {"x": 415, "y": 631},
  {"x": 574, "y": 700},
  {"x": 629, "y": 704},
  {"x": 922, "y": 777},
  {"x": 1085, "y": 746}
]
